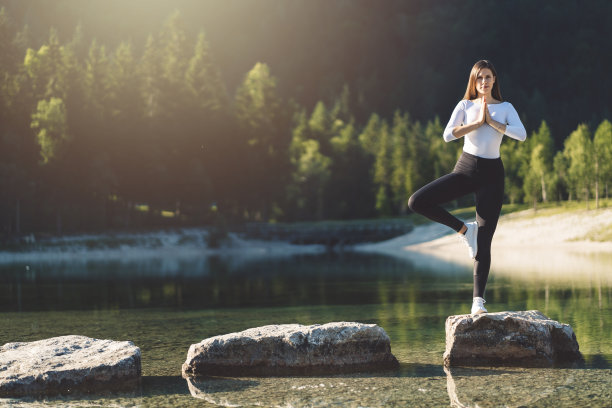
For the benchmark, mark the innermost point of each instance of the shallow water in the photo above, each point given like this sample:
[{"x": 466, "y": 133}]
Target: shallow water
[{"x": 164, "y": 304}]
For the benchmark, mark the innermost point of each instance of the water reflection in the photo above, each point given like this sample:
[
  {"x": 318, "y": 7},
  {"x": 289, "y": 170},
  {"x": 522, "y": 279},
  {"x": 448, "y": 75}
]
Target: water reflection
[
  {"x": 345, "y": 391},
  {"x": 166, "y": 303},
  {"x": 515, "y": 387},
  {"x": 211, "y": 282}
]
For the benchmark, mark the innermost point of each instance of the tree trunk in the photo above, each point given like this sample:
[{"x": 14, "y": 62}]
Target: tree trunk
[
  {"x": 544, "y": 199},
  {"x": 596, "y": 184},
  {"x": 596, "y": 193}
]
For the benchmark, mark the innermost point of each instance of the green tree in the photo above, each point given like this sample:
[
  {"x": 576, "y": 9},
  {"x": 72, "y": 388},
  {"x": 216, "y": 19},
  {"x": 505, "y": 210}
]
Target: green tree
[
  {"x": 399, "y": 161},
  {"x": 311, "y": 171},
  {"x": 95, "y": 84},
  {"x": 443, "y": 154},
  {"x": 18, "y": 154},
  {"x": 349, "y": 187},
  {"x": 513, "y": 153},
  {"x": 150, "y": 72},
  {"x": 533, "y": 183},
  {"x": 579, "y": 152},
  {"x": 543, "y": 167},
  {"x": 559, "y": 179},
  {"x": 207, "y": 133},
  {"x": 382, "y": 172},
  {"x": 49, "y": 122},
  {"x": 45, "y": 69},
  {"x": 320, "y": 123},
  {"x": 602, "y": 148},
  {"x": 127, "y": 153},
  {"x": 538, "y": 166},
  {"x": 369, "y": 137},
  {"x": 261, "y": 119},
  {"x": 419, "y": 170},
  {"x": 203, "y": 79}
]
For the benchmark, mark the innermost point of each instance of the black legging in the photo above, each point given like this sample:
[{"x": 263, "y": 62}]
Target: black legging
[{"x": 472, "y": 174}]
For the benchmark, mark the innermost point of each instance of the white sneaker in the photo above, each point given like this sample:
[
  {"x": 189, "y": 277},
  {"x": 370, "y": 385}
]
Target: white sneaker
[
  {"x": 470, "y": 238},
  {"x": 478, "y": 306}
]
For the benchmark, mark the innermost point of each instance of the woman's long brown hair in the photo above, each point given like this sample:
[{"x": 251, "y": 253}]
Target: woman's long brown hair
[{"x": 471, "y": 92}]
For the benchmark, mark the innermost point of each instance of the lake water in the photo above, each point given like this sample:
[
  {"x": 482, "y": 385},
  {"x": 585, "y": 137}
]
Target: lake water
[{"x": 165, "y": 303}]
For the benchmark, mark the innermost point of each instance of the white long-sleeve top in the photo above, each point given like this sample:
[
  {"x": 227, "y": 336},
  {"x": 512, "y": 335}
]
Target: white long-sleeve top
[{"x": 485, "y": 141}]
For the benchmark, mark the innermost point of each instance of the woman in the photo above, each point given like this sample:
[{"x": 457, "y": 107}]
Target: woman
[{"x": 482, "y": 119}]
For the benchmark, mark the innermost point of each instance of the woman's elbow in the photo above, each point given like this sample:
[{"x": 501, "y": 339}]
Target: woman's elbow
[{"x": 448, "y": 136}]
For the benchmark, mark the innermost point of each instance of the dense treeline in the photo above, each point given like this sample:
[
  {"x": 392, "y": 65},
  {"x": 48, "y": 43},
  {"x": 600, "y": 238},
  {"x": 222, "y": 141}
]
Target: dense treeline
[{"x": 97, "y": 138}]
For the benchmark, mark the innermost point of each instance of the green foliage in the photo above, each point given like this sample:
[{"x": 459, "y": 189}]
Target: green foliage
[
  {"x": 257, "y": 103},
  {"x": 369, "y": 137},
  {"x": 602, "y": 152},
  {"x": 579, "y": 153},
  {"x": 149, "y": 124},
  {"x": 382, "y": 172},
  {"x": 49, "y": 122},
  {"x": 512, "y": 153},
  {"x": 203, "y": 78},
  {"x": 537, "y": 171}
]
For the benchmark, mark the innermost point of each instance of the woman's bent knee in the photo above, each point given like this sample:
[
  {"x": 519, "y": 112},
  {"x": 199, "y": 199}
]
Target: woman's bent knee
[{"x": 414, "y": 203}]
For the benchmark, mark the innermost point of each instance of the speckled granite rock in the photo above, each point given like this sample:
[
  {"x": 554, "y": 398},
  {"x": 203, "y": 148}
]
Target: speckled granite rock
[
  {"x": 526, "y": 338},
  {"x": 65, "y": 363},
  {"x": 292, "y": 348}
]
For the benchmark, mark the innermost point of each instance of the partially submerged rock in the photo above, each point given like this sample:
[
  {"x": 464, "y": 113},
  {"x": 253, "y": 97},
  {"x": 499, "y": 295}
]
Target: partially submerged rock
[
  {"x": 526, "y": 338},
  {"x": 66, "y": 363},
  {"x": 292, "y": 348}
]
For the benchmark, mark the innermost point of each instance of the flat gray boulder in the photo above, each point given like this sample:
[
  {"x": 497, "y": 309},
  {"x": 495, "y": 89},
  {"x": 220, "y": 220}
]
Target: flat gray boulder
[
  {"x": 67, "y": 363},
  {"x": 292, "y": 348},
  {"x": 526, "y": 338}
]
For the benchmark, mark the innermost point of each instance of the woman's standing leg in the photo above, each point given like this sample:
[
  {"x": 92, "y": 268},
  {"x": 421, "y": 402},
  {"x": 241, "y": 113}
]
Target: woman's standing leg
[{"x": 489, "y": 199}]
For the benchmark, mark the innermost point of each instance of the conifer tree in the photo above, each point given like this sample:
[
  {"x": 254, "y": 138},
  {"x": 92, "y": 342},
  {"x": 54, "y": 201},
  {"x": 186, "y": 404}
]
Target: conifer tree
[
  {"x": 399, "y": 161},
  {"x": 349, "y": 187},
  {"x": 382, "y": 172},
  {"x": 369, "y": 137},
  {"x": 311, "y": 171},
  {"x": 203, "y": 79},
  {"x": 150, "y": 74},
  {"x": 261, "y": 121}
]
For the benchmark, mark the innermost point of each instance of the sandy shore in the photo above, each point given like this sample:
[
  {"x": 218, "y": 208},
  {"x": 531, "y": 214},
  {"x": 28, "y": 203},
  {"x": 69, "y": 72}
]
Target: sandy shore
[{"x": 545, "y": 245}]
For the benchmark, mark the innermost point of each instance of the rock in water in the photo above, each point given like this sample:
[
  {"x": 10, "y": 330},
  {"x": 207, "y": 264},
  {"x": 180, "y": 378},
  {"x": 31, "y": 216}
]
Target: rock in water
[
  {"x": 526, "y": 338},
  {"x": 66, "y": 363},
  {"x": 292, "y": 348}
]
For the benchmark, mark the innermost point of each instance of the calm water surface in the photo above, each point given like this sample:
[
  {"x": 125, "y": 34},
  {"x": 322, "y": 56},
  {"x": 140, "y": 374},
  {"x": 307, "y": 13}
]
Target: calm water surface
[{"x": 164, "y": 304}]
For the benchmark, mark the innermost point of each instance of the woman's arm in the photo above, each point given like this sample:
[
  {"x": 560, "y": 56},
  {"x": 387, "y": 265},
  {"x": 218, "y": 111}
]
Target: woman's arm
[
  {"x": 462, "y": 130},
  {"x": 456, "y": 127},
  {"x": 514, "y": 128}
]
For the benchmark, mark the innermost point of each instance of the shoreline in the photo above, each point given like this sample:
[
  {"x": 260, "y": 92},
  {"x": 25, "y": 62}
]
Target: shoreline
[
  {"x": 545, "y": 245},
  {"x": 186, "y": 243}
]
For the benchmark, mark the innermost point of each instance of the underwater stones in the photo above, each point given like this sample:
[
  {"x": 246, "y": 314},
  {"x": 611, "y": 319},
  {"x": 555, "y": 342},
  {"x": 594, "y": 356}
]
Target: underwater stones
[
  {"x": 66, "y": 363},
  {"x": 526, "y": 338},
  {"x": 292, "y": 348}
]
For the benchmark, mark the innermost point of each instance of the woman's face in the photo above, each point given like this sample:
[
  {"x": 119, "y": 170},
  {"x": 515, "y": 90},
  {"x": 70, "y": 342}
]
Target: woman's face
[{"x": 484, "y": 81}]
